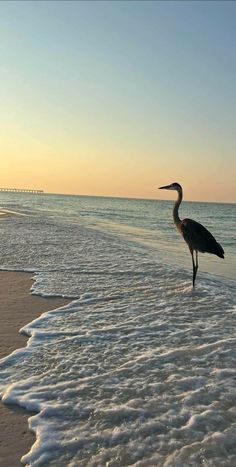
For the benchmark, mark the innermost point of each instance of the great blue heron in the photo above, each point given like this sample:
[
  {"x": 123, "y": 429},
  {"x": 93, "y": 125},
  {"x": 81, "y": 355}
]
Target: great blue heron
[{"x": 196, "y": 236}]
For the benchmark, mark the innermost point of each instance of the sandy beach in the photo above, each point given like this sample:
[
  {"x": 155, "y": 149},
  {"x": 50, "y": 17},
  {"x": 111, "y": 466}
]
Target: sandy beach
[{"x": 17, "y": 308}]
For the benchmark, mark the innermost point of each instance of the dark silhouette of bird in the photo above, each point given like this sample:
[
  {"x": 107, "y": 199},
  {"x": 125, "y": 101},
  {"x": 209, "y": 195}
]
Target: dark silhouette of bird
[{"x": 198, "y": 238}]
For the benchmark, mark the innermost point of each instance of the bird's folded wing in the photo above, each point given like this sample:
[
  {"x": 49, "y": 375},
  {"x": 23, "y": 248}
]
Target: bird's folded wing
[{"x": 198, "y": 237}]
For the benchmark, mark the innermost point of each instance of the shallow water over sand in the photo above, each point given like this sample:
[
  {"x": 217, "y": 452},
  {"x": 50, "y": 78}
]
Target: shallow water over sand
[{"x": 140, "y": 368}]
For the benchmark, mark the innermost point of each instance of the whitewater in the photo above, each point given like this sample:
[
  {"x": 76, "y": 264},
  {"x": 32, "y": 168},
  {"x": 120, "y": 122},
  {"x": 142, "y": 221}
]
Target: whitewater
[{"x": 139, "y": 369}]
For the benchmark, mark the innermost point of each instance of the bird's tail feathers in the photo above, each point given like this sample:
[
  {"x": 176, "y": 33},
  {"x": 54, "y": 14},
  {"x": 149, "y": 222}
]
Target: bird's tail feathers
[{"x": 220, "y": 252}]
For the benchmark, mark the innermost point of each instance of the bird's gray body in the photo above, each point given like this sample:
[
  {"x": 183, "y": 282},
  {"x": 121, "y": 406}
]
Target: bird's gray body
[{"x": 198, "y": 238}]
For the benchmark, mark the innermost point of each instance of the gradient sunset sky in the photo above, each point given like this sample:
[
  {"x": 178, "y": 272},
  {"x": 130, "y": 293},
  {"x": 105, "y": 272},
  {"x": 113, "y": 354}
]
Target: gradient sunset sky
[{"x": 116, "y": 98}]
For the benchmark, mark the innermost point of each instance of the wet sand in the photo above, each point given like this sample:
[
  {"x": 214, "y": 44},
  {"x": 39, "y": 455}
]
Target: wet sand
[{"x": 17, "y": 308}]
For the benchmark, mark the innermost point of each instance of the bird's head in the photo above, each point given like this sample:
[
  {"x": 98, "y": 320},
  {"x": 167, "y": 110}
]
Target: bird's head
[{"x": 173, "y": 186}]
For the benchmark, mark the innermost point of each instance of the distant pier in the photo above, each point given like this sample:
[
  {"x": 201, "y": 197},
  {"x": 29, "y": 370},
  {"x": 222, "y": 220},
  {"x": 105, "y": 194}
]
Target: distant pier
[{"x": 21, "y": 190}]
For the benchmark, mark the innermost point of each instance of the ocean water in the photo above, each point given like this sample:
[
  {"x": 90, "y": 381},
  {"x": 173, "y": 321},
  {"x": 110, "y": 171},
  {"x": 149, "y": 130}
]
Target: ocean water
[{"x": 139, "y": 369}]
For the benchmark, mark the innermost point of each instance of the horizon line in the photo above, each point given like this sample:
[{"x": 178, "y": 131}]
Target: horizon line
[
  {"x": 138, "y": 198},
  {"x": 43, "y": 192}
]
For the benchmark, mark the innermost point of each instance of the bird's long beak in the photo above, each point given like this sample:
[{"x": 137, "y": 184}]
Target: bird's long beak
[{"x": 166, "y": 187}]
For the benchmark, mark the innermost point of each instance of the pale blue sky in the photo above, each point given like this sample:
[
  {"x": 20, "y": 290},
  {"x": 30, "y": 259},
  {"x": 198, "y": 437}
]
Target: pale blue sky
[{"x": 149, "y": 86}]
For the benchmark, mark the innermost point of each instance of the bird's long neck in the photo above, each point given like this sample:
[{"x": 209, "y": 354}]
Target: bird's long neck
[{"x": 176, "y": 218}]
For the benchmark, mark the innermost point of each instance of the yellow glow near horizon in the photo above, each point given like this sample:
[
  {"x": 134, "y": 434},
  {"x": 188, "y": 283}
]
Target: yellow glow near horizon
[
  {"x": 33, "y": 164},
  {"x": 100, "y": 169}
]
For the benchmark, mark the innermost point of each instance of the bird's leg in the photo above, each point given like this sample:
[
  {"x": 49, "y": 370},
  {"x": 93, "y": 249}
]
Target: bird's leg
[
  {"x": 196, "y": 260},
  {"x": 194, "y": 267}
]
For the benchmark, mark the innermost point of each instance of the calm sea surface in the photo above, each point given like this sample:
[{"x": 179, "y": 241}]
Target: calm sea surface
[{"x": 140, "y": 368}]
